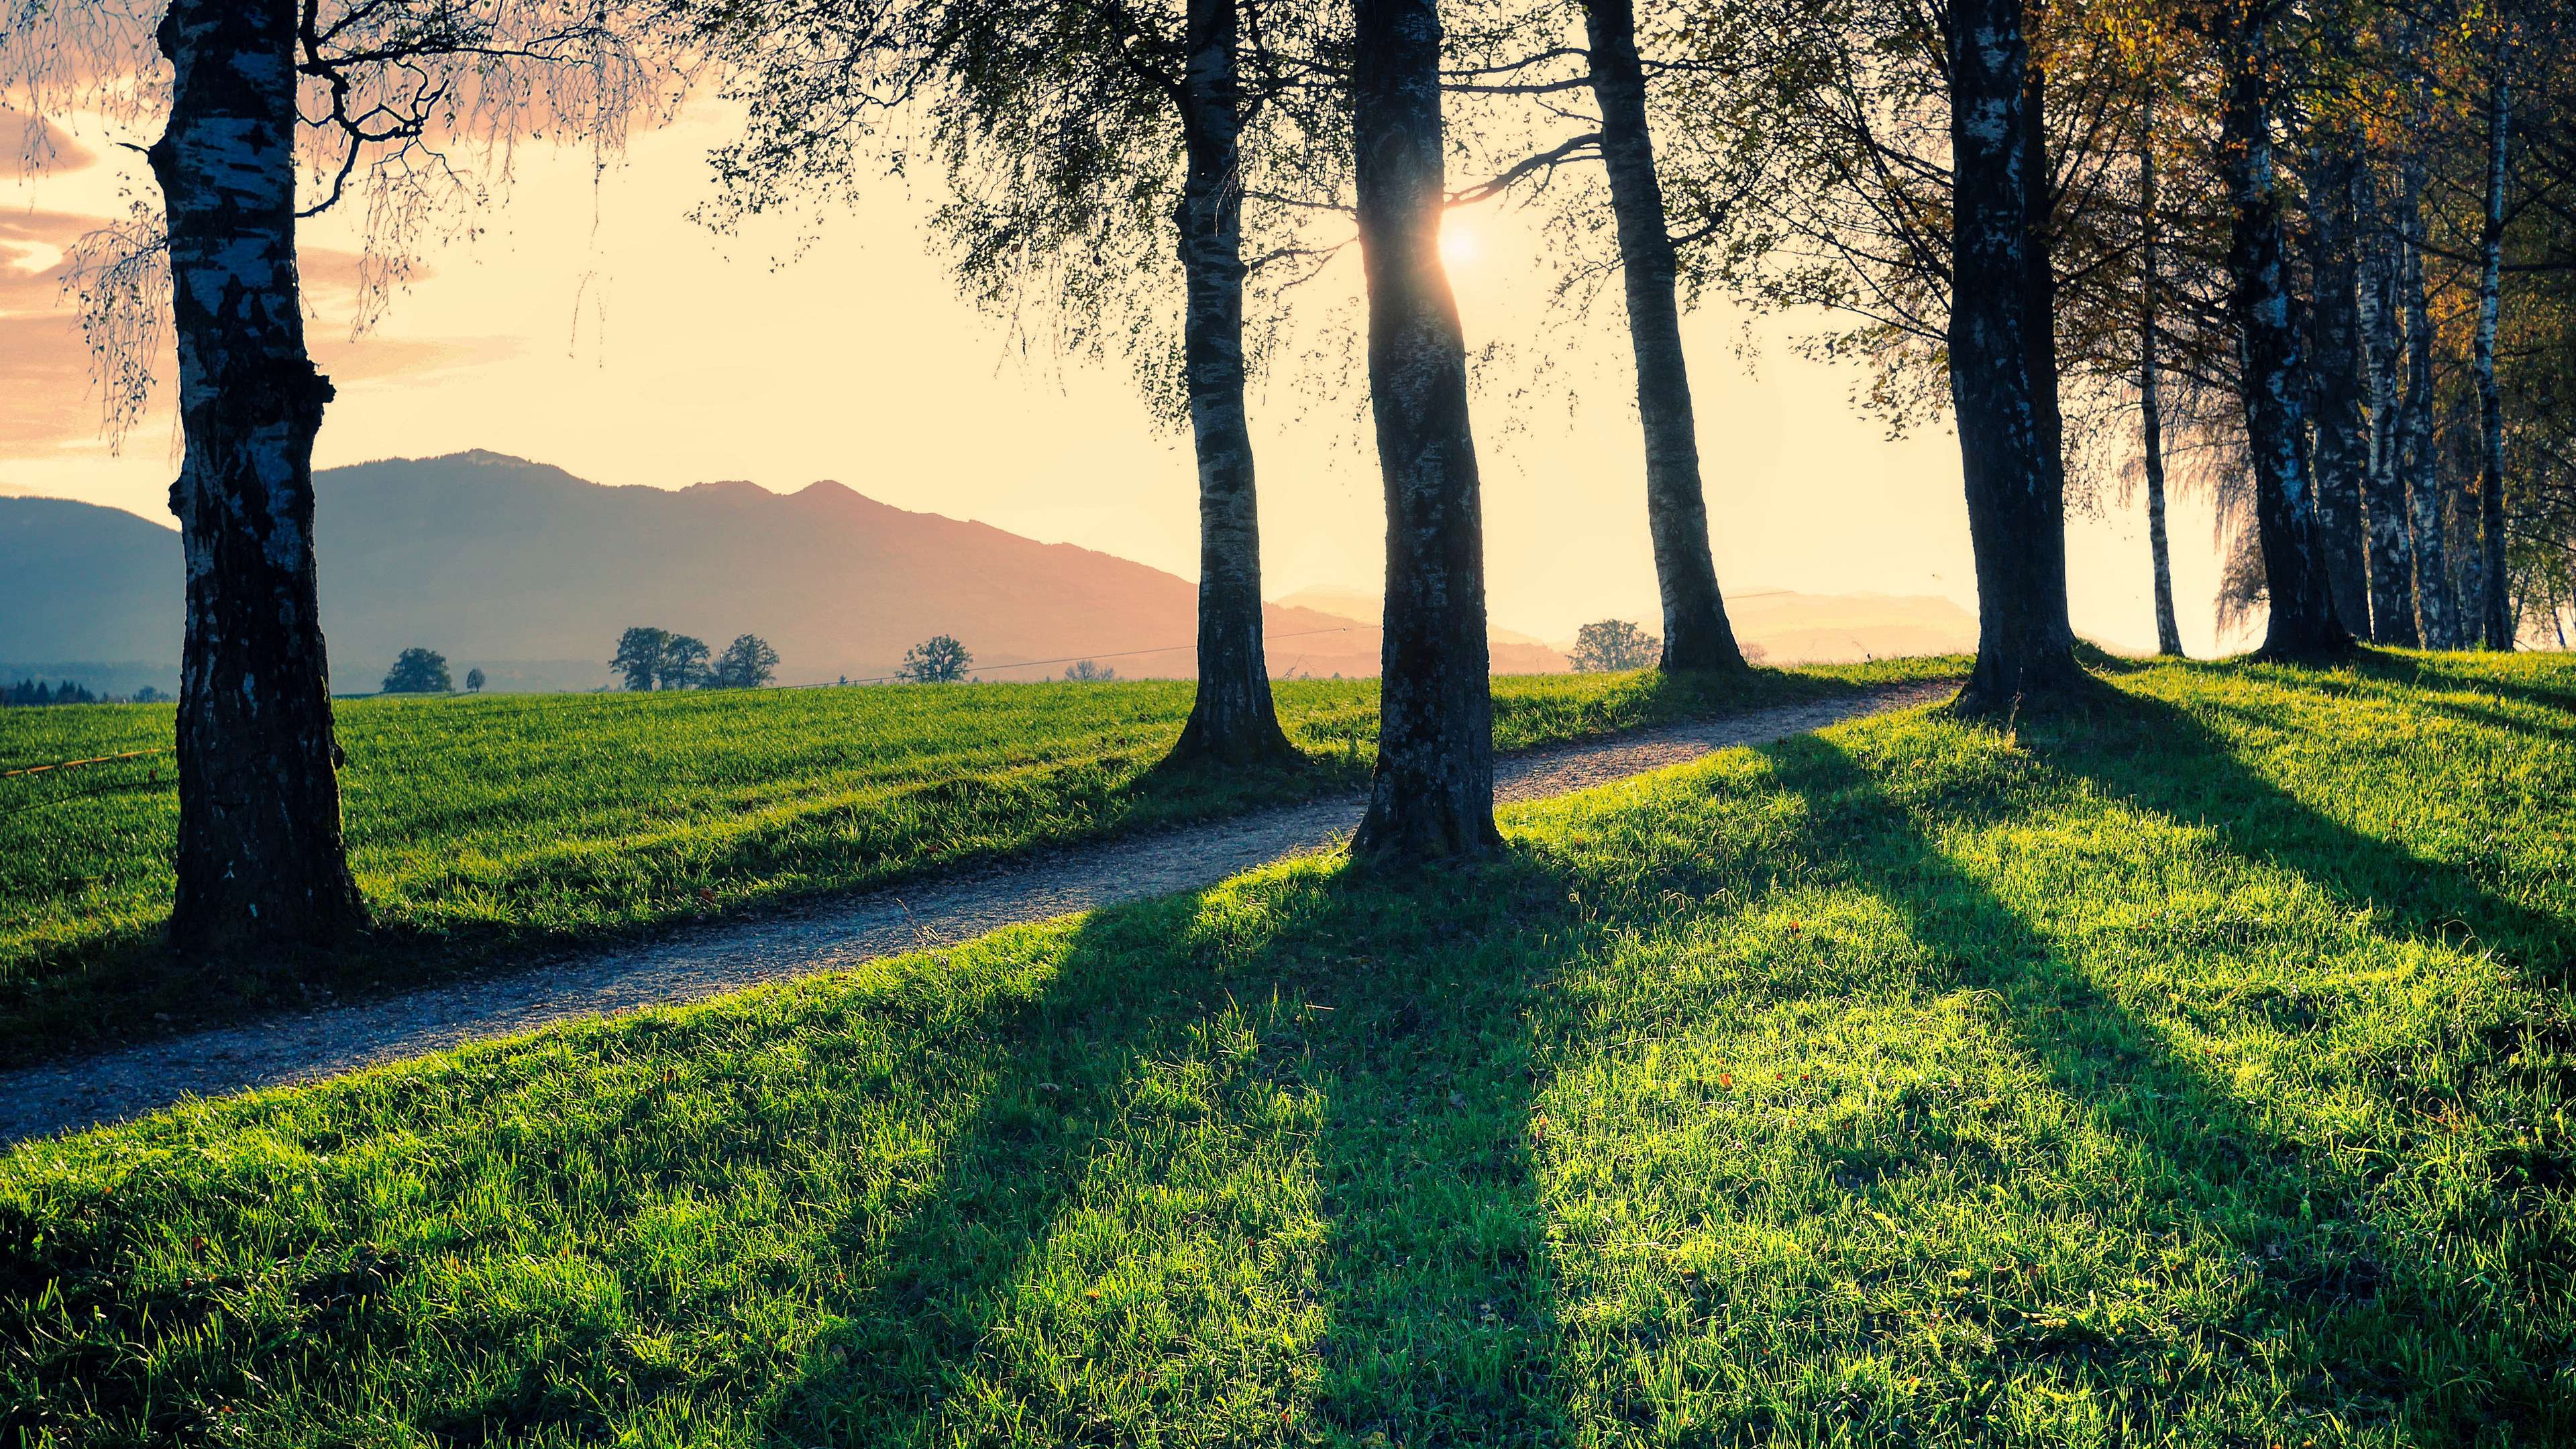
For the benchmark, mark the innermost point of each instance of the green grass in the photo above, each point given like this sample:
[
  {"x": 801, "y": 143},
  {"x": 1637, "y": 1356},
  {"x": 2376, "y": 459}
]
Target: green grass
[
  {"x": 2199, "y": 1072},
  {"x": 480, "y": 828}
]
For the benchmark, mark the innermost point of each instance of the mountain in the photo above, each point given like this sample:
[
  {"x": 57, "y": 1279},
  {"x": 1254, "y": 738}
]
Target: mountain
[
  {"x": 530, "y": 574},
  {"x": 88, "y": 593}
]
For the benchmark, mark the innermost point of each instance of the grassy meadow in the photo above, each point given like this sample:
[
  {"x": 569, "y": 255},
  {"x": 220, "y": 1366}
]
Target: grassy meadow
[
  {"x": 2200, "y": 1072},
  {"x": 483, "y": 826}
]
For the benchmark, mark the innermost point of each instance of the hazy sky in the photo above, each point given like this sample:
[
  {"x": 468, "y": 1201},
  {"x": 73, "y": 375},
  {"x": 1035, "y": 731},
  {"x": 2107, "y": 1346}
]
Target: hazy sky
[{"x": 599, "y": 329}]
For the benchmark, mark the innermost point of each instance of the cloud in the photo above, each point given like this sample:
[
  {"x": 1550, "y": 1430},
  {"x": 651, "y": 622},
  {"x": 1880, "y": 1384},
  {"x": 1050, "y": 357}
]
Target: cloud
[
  {"x": 40, "y": 147},
  {"x": 46, "y": 366}
]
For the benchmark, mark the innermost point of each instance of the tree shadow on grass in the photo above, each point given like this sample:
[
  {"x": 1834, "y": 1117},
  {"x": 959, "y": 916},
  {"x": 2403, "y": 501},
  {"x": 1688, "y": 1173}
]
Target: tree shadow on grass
[
  {"x": 2159, "y": 757},
  {"x": 2469, "y": 673},
  {"x": 2381, "y": 1325},
  {"x": 1240, "y": 1172}
]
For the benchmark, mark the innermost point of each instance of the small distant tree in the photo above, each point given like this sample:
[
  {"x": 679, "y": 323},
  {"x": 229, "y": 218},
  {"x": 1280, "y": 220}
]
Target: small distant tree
[
  {"x": 148, "y": 695},
  {"x": 1612, "y": 644},
  {"x": 639, "y": 656},
  {"x": 1085, "y": 671},
  {"x": 747, "y": 663},
  {"x": 419, "y": 671},
  {"x": 474, "y": 680},
  {"x": 939, "y": 659},
  {"x": 684, "y": 662}
]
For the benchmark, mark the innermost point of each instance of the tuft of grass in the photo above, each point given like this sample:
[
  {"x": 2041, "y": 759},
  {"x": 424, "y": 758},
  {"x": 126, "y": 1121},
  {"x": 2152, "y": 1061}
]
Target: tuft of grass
[
  {"x": 483, "y": 827},
  {"x": 2197, "y": 1071}
]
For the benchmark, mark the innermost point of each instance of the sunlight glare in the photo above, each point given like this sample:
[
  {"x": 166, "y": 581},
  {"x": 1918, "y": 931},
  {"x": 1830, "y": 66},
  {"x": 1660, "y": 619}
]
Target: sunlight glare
[{"x": 1458, "y": 243}]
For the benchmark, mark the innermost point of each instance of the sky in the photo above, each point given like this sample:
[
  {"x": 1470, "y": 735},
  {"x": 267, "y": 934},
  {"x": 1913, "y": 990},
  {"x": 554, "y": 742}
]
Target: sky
[{"x": 592, "y": 324}]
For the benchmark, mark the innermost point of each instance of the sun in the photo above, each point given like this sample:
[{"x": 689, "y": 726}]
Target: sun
[{"x": 1459, "y": 244}]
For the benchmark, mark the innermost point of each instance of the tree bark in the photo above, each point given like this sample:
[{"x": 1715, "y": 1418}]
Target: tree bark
[
  {"x": 1696, "y": 632},
  {"x": 1233, "y": 721},
  {"x": 2015, "y": 490},
  {"x": 2436, "y": 605},
  {"x": 2151, "y": 423},
  {"x": 2496, "y": 604},
  {"x": 2302, "y": 624},
  {"x": 2338, "y": 370},
  {"x": 2392, "y": 550},
  {"x": 1433, "y": 796},
  {"x": 261, "y": 863}
]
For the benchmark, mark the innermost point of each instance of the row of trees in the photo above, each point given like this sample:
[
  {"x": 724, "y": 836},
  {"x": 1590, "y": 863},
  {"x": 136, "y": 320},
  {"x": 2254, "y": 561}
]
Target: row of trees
[
  {"x": 660, "y": 659},
  {"x": 37, "y": 692},
  {"x": 2312, "y": 253},
  {"x": 1157, "y": 175}
]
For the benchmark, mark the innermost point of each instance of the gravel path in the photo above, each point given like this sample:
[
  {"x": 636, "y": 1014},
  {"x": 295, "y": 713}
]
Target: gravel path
[{"x": 826, "y": 935}]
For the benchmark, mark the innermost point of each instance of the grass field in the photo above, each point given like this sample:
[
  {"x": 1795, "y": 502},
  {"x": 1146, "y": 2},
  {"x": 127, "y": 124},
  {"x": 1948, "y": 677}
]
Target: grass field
[
  {"x": 2196, "y": 1073},
  {"x": 480, "y": 827}
]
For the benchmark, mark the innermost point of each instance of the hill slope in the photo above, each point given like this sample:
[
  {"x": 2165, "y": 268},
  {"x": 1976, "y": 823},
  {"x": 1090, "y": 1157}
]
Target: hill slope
[
  {"x": 484, "y": 556},
  {"x": 531, "y": 573},
  {"x": 78, "y": 581}
]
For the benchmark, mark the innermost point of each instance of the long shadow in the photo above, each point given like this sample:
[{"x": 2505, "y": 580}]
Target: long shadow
[
  {"x": 2317, "y": 1260},
  {"x": 1081, "y": 1236},
  {"x": 2441, "y": 674},
  {"x": 2160, "y": 757}
]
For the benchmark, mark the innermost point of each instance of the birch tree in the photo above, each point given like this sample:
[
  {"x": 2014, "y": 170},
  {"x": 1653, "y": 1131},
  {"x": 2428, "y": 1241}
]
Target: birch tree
[
  {"x": 1697, "y": 634},
  {"x": 1433, "y": 794},
  {"x": 2302, "y": 622},
  {"x": 1088, "y": 145},
  {"x": 2016, "y": 499},
  {"x": 271, "y": 111}
]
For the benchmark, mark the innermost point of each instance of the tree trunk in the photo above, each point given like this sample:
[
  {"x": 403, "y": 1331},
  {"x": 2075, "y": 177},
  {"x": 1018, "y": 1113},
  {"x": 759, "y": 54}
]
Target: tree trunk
[
  {"x": 2392, "y": 551},
  {"x": 1233, "y": 721},
  {"x": 2338, "y": 371},
  {"x": 2496, "y": 611},
  {"x": 1433, "y": 796},
  {"x": 2151, "y": 422},
  {"x": 1696, "y": 632},
  {"x": 261, "y": 863},
  {"x": 2302, "y": 624},
  {"x": 2436, "y": 605},
  {"x": 2016, "y": 497}
]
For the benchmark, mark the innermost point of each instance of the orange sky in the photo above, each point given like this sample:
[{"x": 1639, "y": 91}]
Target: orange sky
[{"x": 601, "y": 330}]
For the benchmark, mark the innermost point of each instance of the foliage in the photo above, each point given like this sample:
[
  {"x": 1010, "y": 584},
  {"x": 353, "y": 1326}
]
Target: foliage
[
  {"x": 638, "y": 660},
  {"x": 474, "y": 681},
  {"x": 684, "y": 662},
  {"x": 939, "y": 659},
  {"x": 747, "y": 663},
  {"x": 401, "y": 105},
  {"x": 1087, "y": 672},
  {"x": 419, "y": 671},
  {"x": 659, "y": 659},
  {"x": 2199, "y": 1069},
  {"x": 506, "y": 823},
  {"x": 1056, "y": 128},
  {"x": 1612, "y": 644}
]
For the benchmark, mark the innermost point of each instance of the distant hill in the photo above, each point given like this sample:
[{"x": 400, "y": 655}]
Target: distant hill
[
  {"x": 530, "y": 573},
  {"x": 1357, "y": 655},
  {"x": 78, "y": 581}
]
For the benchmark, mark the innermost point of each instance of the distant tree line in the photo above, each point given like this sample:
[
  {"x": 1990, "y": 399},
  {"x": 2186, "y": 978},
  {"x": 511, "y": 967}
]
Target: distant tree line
[
  {"x": 34, "y": 691},
  {"x": 659, "y": 659}
]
